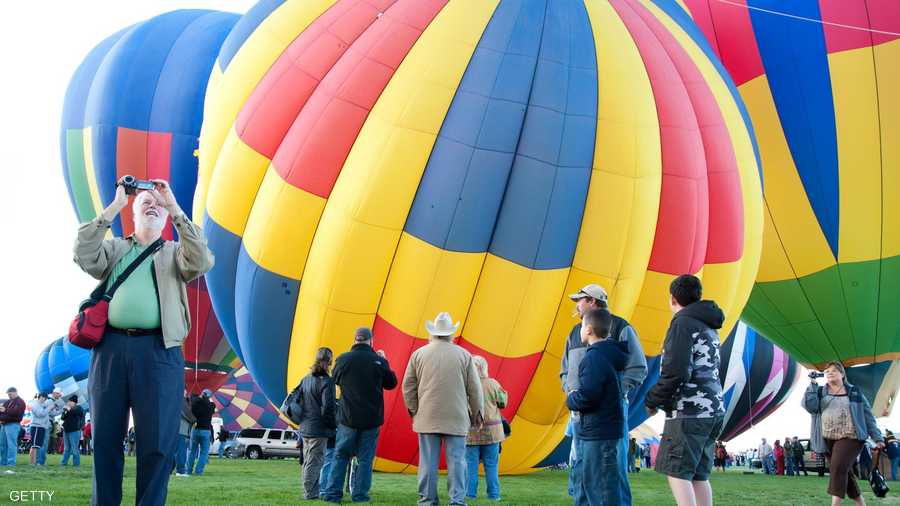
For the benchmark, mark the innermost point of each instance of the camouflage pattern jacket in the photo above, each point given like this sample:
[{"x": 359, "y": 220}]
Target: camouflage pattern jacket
[{"x": 689, "y": 385}]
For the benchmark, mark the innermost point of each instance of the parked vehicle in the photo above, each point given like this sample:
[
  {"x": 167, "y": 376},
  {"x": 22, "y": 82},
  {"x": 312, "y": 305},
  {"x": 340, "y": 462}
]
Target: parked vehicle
[{"x": 261, "y": 443}]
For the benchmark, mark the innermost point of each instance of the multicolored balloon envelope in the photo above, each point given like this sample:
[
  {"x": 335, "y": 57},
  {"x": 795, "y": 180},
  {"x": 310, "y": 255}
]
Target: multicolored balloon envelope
[
  {"x": 819, "y": 78},
  {"x": 135, "y": 106},
  {"x": 65, "y": 366},
  {"x": 757, "y": 378},
  {"x": 371, "y": 163},
  {"x": 879, "y": 383},
  {"x": 241, "y": 404}
]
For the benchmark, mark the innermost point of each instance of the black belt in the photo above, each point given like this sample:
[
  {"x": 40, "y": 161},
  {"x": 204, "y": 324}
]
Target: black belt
[{"x": 135, "y": 332}]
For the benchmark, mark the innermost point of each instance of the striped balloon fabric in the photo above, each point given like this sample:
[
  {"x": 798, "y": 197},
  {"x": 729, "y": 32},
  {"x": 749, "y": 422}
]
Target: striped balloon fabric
[
  {"x": 757, "y": 378},
  {"x": 241, "y": 404},
  {"x": 819, "y": 78},
  {"x": 374, "y": 162}
]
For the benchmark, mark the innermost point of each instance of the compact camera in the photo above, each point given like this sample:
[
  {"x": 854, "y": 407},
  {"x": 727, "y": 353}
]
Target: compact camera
[
  {"x": 816, "y": 374},
  {"x": 132, "y": 184}
]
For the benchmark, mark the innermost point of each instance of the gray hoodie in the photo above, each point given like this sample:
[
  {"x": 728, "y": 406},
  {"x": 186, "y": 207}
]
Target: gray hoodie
[
  {"x": 635, "y": 368},
  {"x": 43, "y": 410}
]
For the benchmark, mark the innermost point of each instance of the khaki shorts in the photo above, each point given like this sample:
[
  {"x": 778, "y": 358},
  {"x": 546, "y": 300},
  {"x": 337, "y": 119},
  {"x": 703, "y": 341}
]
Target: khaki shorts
[{"x": 687, "y": 447}]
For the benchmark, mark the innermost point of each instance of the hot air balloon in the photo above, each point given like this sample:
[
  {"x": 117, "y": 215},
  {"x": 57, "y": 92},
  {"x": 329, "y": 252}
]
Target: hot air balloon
[
  {"x": 241, "y": 404},
  {"x": 135, "y": 106},
  {"x": 374, "y": 163},
  {"x": 878, "y": 382},
  {"x": 819, "y": 81},
  {"x": 757, "y": 378},
  {"x": 64, "y": 366},
  {"x": 42, "y": 378}
]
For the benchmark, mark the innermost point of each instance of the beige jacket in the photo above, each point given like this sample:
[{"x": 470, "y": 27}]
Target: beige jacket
[
  {"x": 175, "y": 264},
  {"x": 441, "y": 387},
  {"x": 495, "y": 399}
]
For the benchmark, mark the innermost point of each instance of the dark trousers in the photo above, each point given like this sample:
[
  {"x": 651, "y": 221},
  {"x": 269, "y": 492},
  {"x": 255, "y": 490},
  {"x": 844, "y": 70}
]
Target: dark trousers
[
  {"x": 841, "y": 481},
  {"x": 140, "y": 374},
  {"x": 799, "y": 465}
]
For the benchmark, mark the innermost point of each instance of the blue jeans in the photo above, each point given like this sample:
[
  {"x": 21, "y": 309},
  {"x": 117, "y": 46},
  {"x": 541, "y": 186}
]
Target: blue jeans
[
  {"x": 9, "y": 438},
  {"x": 598, "y": 474},
  {"x": 490, "y": 455},
  {"x": 573, "y": 456},
  {"x": 895, "y": 462},
  {"x": 624, "y": 486},
  {"x": 221, "y": 449},
  {"x": 769, "y": 464},
  {"x": 788, "y": 465},
  {"x": 71, "y": 441},
  {"x": 199, "y": 443},
  {"x": 181, "y": 454},
  {"x": 430, "y": 456},
  {"x": 325, "y": 472},
  {"x": 352, "y": 442}
]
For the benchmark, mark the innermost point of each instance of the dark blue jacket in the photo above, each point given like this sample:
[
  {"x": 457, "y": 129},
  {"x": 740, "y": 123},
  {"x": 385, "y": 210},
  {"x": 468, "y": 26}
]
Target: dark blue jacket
[{"x": 599, "y": 396}]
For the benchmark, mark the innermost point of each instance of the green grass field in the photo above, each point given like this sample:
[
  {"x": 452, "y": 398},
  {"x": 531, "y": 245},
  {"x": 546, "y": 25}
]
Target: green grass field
[{"x": 252, "y": 483}]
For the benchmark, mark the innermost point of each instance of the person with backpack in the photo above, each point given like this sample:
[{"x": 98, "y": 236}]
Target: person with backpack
[
  {"x": 483, "y": 443},
  {"x": 72, "y": 418},
  {"x": 841, "y": 423},
  {"x": 317, "y": 420},
  {"x": 138, "y": 366}
]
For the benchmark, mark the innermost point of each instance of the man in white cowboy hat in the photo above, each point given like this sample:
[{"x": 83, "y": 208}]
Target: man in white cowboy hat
[
  {"x": 442, "y": 392},
  {"x": 589, "y": 297}
]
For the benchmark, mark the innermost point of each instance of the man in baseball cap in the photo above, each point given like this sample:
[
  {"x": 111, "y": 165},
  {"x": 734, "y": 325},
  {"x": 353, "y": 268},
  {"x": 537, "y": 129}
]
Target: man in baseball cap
[
  {"x": 11, "y": 412},
  {"x": 589, "y": 297}
]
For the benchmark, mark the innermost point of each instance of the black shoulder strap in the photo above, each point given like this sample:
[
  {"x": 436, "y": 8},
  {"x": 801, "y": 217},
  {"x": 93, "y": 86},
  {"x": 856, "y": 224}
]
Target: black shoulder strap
[{"x": 132, "y": 266}]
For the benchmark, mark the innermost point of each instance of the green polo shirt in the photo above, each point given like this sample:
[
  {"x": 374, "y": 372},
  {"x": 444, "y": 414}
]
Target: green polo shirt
[{"x": 135, "y": 304}]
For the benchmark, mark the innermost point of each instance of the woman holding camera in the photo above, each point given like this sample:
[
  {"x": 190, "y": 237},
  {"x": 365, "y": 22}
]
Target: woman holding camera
[{"x": 841, "y": 422}]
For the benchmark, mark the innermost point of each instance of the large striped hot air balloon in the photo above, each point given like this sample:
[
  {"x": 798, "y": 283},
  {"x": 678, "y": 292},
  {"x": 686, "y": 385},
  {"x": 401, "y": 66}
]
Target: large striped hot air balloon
[
  {"x": 135, "y": 106},
  {"x": 370, "y": 163},
  {"x": 757, "y": 378},
  {"x": 819, "y": 78}
]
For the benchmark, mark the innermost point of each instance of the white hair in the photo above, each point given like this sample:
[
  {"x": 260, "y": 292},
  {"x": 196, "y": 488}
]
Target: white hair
[
  {"x": 481, "y": 365},
  {"x": 138, "y": 217}
]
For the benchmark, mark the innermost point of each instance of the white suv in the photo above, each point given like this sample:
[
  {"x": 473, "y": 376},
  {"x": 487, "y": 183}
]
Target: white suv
[{"x": 264, "y": 443}]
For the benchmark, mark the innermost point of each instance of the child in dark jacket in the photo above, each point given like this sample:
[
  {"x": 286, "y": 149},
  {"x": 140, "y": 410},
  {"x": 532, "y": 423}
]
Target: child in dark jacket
[{"x": 599, "y": 400}]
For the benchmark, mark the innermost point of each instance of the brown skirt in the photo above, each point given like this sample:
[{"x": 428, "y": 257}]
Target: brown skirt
[{"x": 841, "y": 481}]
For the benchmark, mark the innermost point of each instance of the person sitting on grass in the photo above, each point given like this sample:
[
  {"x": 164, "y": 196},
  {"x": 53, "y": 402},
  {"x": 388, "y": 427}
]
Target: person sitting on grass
[{"x": 598, "y": 399}]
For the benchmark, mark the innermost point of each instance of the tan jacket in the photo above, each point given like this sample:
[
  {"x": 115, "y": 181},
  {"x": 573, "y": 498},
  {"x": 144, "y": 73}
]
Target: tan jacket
[
  {"x": 491, "y": 431},
  {"x": 441, "y": 387},
  {"x": 175, "y": 264}
]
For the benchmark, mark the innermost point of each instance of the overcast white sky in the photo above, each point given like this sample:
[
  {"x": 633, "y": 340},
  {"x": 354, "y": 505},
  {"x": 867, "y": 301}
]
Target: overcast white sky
[{"x": 42, "y": 42}]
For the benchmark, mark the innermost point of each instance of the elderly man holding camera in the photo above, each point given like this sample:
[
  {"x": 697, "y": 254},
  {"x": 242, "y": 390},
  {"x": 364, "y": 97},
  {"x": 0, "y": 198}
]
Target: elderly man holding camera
[{"x": 139, "y": 365}]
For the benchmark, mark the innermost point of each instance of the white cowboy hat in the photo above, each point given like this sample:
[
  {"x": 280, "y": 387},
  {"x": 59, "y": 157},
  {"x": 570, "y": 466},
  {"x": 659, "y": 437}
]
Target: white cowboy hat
[{"x": 442, "y": 325}]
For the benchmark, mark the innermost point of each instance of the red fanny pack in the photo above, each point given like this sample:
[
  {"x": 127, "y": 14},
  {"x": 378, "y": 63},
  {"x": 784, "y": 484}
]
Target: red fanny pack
[{"x": 87, "y": 328}]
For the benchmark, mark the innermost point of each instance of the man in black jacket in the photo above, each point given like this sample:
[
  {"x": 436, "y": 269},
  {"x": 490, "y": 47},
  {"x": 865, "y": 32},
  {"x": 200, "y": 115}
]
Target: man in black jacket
[
  {"x": 201, "y": 436},
  {"x": 73, "y": 420},
  {"x": 690, "y": 393},
  {"x": 362, "y": 374}
]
